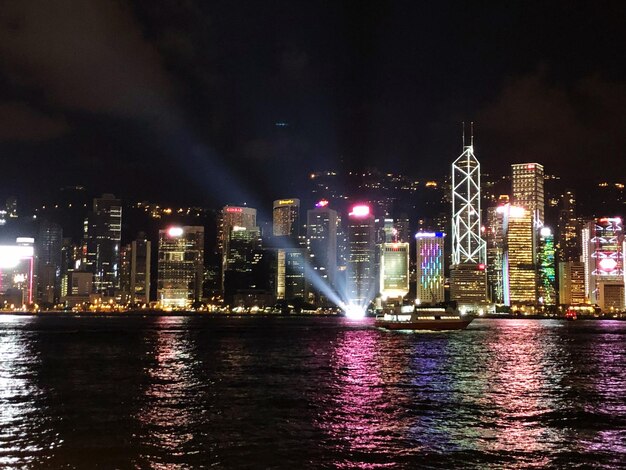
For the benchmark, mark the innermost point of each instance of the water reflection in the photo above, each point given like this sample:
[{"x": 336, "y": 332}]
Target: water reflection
[
  {"x": 606, "y": 359},
  {"x": 27, "y": 436},
  {"x": 366, "y": 416},
  {"x": 167, "y": 416},
  {"x": 309, "y": 393}
]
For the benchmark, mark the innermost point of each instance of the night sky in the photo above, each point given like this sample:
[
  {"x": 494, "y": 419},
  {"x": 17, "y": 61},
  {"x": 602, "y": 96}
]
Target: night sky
[{"x": 223, "y": 101}]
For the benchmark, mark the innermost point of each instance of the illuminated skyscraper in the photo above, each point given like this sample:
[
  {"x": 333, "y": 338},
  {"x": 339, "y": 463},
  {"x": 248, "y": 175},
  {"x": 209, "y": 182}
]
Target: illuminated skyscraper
[
  {"x": 140, "y": 264},
  {"x": 494, "y": 238},
  {"x": 361, "y": 275},
  {"x": 232, "y": 216},
  {"x": 180, "y": 266},
  {"x": 321, "y": 230},
  {"x": 527, "y": 186},
  {"x": 571, "y": 282},
  {"x": 49, "y": 243},
  {"x": 290, "y": 270},
  {"x": 430, "y": 264},
  {"x": 17, "y": 262},
  {"x": 569, "y": 246},
  {"x": 468, "y": 286},
  {"x": 604, "y": 262},
  {"x": 394, "y": 270},
  {"x": 286, "y": 215},
  {"x": 519, "y": 271},
  {"x": 467, "y": 243},
  {"x": 468, "y": 278},
  {"x": 546, "y": 268},
  {"x": 243, "y": 248},
  {"x": 102, "y": 237}
]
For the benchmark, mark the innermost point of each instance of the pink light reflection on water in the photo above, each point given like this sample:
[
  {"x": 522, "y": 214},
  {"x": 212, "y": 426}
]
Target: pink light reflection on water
[
  {"x": 171, "y": 380},
  {"x": 607, "y": 359},
  {"x": 360, "y": 420}
]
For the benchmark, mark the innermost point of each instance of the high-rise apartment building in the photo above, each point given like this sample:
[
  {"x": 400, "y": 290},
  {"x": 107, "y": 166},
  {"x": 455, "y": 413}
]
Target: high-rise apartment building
[
  {"x": 430, "y": 267},
  {"x": 527, "y": 190},
  {"x": 394, "y": 270},
  {"x": 180, "y": 266},
  {"x": 286, "y": 218},
  {"x": 361, "y": 275},
  {"x": 102, "y": 238}
]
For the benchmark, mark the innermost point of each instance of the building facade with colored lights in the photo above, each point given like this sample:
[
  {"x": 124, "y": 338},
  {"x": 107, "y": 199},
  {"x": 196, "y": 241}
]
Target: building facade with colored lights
[
  {"x": 180, "y": 266},
  {"x": 546, "y": 268},
  {"x": 430, "y": 267},
  {"x": 603, "y": 241}
]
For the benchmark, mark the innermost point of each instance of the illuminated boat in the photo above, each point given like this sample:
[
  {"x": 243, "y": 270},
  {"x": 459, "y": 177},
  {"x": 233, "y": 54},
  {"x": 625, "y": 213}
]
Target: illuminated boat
[
  {"x": 570, "y": 315},
  {"x": 429, "y": 318}
]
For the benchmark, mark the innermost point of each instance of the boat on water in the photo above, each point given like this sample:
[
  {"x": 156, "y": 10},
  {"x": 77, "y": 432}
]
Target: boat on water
[
  {"x": 426, "y": 319},
  {"x": 570, "y": 315}
]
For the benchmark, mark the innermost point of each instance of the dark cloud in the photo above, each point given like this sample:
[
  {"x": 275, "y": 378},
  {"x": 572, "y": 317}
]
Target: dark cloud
[
  {"x": 20, "y": 122},
  {"x": 84, "y": 55},
  {"x": 569, "y": 128}
]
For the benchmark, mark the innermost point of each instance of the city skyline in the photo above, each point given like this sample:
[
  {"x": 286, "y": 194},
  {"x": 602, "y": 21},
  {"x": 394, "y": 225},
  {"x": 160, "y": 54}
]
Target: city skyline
[{"x": 297, "y": 234}]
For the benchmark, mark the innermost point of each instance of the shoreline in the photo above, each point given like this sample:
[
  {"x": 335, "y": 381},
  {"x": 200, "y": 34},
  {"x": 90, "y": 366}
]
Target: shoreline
[{"x": 159, "y": 313}]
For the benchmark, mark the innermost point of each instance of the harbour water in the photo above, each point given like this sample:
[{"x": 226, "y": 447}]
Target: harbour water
[{"x": 280, "y": 392}]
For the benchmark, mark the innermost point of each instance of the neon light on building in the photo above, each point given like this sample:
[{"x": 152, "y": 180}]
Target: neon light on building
[
  {"x": 603, "y": 251},
  {"x": 430, "y": 260},
  {"x": 360, "y": 210},
  {"x": 547, "y": 272}
]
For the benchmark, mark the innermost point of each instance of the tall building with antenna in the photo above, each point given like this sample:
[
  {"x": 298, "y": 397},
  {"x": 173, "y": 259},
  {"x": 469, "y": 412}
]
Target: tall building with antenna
[
  {"x": 468, "y": 245},
  {"x": 468, "y": 281}
]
